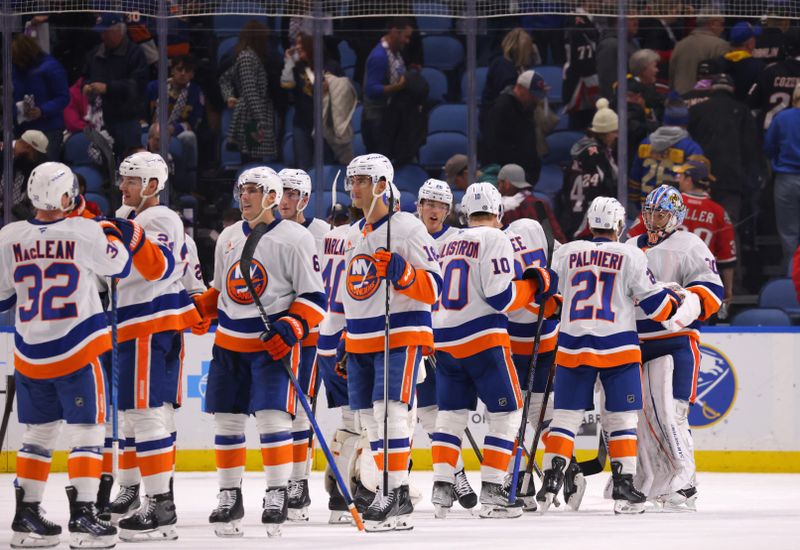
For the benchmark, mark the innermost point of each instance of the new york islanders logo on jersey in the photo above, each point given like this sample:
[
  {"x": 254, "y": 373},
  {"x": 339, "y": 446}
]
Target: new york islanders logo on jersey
[
  {"x": 362, "y": 277},
  {"x": 236, "y": 287},
  {"x": 716, "y": 388}
]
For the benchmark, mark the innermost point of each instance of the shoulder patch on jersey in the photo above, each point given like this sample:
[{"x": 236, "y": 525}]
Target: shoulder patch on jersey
[
  {"x": 362, "y": 277},
  {"x": 236, "y": 287}
]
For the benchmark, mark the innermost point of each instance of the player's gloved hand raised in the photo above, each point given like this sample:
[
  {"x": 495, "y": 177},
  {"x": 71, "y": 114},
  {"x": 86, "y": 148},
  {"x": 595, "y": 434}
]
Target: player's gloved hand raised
[
  {"x": 283, "y": 335},
  {"x": 110, "y": 229},
  {"x": 201, "y": 327},
  {"x": 395, "y": 268},
  {"x": 546, "y": 281}
]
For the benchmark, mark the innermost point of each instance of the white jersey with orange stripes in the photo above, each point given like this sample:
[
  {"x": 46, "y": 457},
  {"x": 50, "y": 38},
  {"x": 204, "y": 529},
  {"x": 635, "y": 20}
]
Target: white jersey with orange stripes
[
  {"x": 318, "y": 229},
  {"x": 681, "y": 258},
  {"x": 530, "y": 250},
  {"x": 441, "y": 236},
  {"x": 601, "y": 281},
  {"x": 333, "y": 277},
  {"x": 283, "y": 275},
  {"x": 364, "y": 301},
  {"x": 477, "y": 270},
  {"x": 49, "y": 271},
  {"x": 193, "y": 272},
  {"x": 151, "y": 306}
]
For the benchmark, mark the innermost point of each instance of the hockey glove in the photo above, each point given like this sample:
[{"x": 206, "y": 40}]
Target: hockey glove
[
  {"x": 687, "y": 313},
  {"x": 284, "y": 334},
  {"x": 132, "y": 234},
  {"x": 110, "y": 229},
  {"x": 340, "y": 368},
  {"x": 395, "y": 268},
  {"x": 201, "y": 327},
  {"x": 546, "y": 281}
]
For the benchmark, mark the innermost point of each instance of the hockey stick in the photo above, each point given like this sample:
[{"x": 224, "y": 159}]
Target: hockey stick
[
  {"x": 526, "y": 478},
  {"x": 386, "y": 350},
  {"x": 114, "y": 382},
  {"x": 244, "y": 265},
  {"x": 597, "y": 464},
  {"x": 11, "y": 390}
]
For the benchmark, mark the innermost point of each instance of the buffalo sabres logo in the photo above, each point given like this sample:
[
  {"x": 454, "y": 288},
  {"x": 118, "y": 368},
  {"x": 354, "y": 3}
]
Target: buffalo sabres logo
[
  {"x": 716, "y": 388},
  {"x": 362, "y": 277},
  {"x": 236, "y": 287}
]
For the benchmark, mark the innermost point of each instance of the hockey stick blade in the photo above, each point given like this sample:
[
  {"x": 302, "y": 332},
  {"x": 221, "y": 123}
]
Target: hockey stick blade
[{"x": 597, "y": 464}]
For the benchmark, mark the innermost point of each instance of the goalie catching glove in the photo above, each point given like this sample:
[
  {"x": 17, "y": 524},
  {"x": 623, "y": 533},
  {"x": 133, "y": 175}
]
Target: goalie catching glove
[{"x": 283, "y": 335}]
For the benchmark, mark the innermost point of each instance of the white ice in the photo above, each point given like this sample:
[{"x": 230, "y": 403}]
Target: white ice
[{"x": 752, "y": 511}]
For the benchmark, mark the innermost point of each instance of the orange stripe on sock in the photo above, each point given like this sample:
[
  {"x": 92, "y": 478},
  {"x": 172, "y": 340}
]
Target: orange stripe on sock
[
  {"x": 84, "y": 466},
  {"x": 559, "y": 445},
  {"x": 277, "y": 456},
  {"x": 230, "y": 458},
  {"x": 444, "y": 455},
  {"x": 155, "y": 464},
  {"x": 300, "y": 452},
  {"x": 108, "y": 462},
  {"x": 495, "y": 459},
  {"x": 620, "y": 448},
  {"x": 398, "y": 462},
  {"x": 127, "y": 460},
  {"x": 30, "y": 468}
]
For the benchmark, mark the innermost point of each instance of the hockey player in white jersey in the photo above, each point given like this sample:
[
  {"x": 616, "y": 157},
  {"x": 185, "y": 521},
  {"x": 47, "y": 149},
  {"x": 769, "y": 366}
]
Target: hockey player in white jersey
[
  {"x": 473, "y": 349},
  {"x": 601, "y": 280},
  {"x": 670, "y": 351},
  {"x": 153, "y": 310},
  {"x": 413, "y": 281},
  {"x": 243, "y": 380},
  {"x": 434, "y": 203},
  {"x": 293, "y": 205},
  {"x": 50, "y": 263}
]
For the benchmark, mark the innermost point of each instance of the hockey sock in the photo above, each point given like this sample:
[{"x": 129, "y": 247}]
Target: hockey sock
[
  {"x": 560, "y": 440},
  {"x": 85, "y": 465},
  {"x": 230, "y": 450},
  {"x": 446, "y": 443},
  {"x": 399, "y": 442},
  {"x": 621, "y": 427},
  {"x": 33, "y": 468},
  {"x": 128, "y": 467},
  {"x": 301, "y": 432},
  {"x": 153, "y": 448},
  {"x": 276, "y": 446}
]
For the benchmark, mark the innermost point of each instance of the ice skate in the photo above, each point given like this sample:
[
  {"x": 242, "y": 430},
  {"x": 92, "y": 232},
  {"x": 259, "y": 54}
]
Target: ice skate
[
  {"x": 405, "y": 507},
  {"x": 442, "y": 498},
  {"x": 363, "y": 497},
  {"x": 103, "y": 503},
  {"x": 227, "y": 516},
  {"x": 155, "y": 520},
  {"x": 627, "y": 499},
  {"x": 276, "y": 506},
  {"x": 551, "y": 483},
  {"x": 494, "y": 501},
  {"x": 340, "y": 514},
  {"x": 684, "y": 500},
  {"x": 299, "y": 500},
  {"x": 125, "y": 503},
  {"x": 382, "y": 513},
  {"x": 528, "y": 498},
  {"x": 464, "y": 492},
  {"x": 30, "y": 528},
  {"x": 86, "y": 530},
  {"x": 574, "y": 485}
]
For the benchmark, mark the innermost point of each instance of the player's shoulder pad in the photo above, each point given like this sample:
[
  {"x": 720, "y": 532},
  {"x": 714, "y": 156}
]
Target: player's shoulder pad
[{"x": 522, "y": 224}]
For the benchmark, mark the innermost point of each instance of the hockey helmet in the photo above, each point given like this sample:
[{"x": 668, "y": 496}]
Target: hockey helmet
[
  {"x": 606, "y": 213},
  {"x": 663, "y": 202},
  {"x": 47, "y": 184},
  {"x": 264, "y": 178},
  {"x": 482, "y": 197},
  {"x": 294, "y": 178},
  {"x": 374, "y": 165},
  {"x": 436, "y": 190},
  {"x": 146, "y": 166}
]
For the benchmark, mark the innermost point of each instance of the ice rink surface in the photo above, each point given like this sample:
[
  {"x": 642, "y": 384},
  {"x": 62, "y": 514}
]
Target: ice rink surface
[{"x": 752, "y": 511}]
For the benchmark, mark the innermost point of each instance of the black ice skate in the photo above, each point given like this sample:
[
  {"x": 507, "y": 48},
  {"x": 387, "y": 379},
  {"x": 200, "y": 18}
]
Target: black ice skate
[
  {"x": 363, "y": 497},
  {"x": 155, "y": 520},
  {"x": 383, "y": 511},
  {"x": 464, "y": 492},
  {"x": 340, "y": 514},
  {"x": 276, "y": 506},
  {"x": 442, "y": 498},
  {"x": 299, "y": 500},
  {"x": 103, "y": 503},
  {"x": 528, "y": 497},
  {"x": 30, "y": 528},
  {"x": 551, "y": 483},
  {"x": 86, "y": 530},
  {"x": 404, "y": 509},
  {"x": 227, "y": 516},
  {"x": 574, "y": 485},
  {"x": 125, "y": 503},
  {"x": 627, "y": 499},
  {"x": 494, "y": 502}
]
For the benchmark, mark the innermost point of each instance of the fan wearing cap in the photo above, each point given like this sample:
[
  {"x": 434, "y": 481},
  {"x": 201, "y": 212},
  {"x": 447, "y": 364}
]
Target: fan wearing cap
[
  {"x": 773, "y": 89},
  {"x": 509, "y": 135},
  {"x": 28, "y": 152},
  {"x": 519, "y": 200},
  {"x": 593, "y": 171},
  {"x": 739, "y": 62}
]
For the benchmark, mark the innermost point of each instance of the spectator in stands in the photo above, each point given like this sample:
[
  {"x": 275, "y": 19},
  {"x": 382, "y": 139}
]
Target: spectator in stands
[
  {"x": 774, "y": 86},
  {"x": 739, "y": 62},
  {"x": 726, "y": 131},
  {"x": 782, "y": 145},
  {"x": 510, "y": 132},
  {"x": 455, "y": 170},
  {"x": 518, "y": 199},
  {"x": 593, "y": 171},
  {"x": 40, "y": 92},
  {"x": 641, "y": 120},
  {"x": 186, "y": 109},
  {"x": 245, "y": 88},
  {"x": 667, "y": 147},
  {"x": 660, "y": 33},
  {"x": 114, "y": 82},
  {"x": 91, "y": 206},
  {"x": 547, "y": 31},
  {"x": 28, "y": 152},
  {"x": 703, "y": 43},
  {"x": 519, "y": 54},
  {"x": 298, "y": 77},
  {"x": 643, "y": 65},
  {"x": 581, "y": 87},
  {"x": 769, "y": 46},
  {"x": 607, "y": 54}
]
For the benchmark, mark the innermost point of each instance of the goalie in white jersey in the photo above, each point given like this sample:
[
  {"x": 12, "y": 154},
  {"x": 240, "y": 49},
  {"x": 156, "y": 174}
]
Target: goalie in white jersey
[
  {"x": 601, "y": 280},
  {"x": 243, "y": 380},
  {"x": 434, "y": 204},
  {"x": 473, "y": 348},
  {"x": 412, "y": 274},
  {"x": 49, "y": 267},
  {"x": 292, "y": 207},
  {"x": 670, "y": 351}
]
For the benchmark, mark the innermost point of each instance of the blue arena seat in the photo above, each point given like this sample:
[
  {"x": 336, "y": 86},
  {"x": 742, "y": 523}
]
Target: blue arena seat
[
  {"x": 559, "y": 144},
  {"x": 480, "y": 82},
  {"x": 427, "y": 20},
  {"x": 437, "y": 84},
  {"x": 442, "y": 52},
  {"x": 347, "y": 56},
  {"x": 780, "y": 294},
  {"x": 551, "y": 180},
  {"x": 102, "y": 202},
  {"x": 409, "y": 178},
  {"x": 762, "y": 317},
  {"x": 553, "y": 75},
  {"x": 440, "y": 147},
  {"x": 449, "y": 117},
  {"x": 76, "y": 150},
  {"x": 92, "y": 177}
]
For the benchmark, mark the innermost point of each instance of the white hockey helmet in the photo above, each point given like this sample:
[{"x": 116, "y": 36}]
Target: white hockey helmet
[
  {"x": 263, "y": 177},
  {"x": 606, "y": 213},
  {"x": 47, "y": 184},
  {"x": 146, "y": 166},
  {"x": 294, "y": 178},
  {"x": 436, "y": 190},
  {"x": 396, "y": 194},
  {"x": 376, "y": 166},
  {"x": 482, "y": 197}
]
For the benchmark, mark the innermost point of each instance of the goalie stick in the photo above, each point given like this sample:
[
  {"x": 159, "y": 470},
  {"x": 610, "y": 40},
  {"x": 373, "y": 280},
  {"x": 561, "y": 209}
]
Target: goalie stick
[
  {"x": 244, "y": 265},
  {"x": 11, "y": 389}
]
